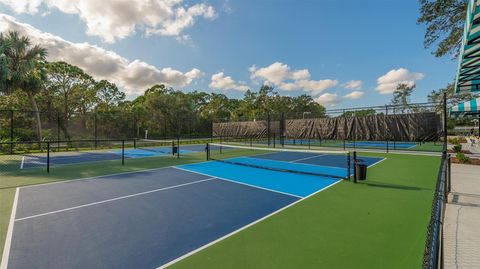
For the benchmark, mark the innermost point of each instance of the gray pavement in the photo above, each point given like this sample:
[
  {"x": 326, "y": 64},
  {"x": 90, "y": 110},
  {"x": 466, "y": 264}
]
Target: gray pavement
[{"x": 462, "y": 219}]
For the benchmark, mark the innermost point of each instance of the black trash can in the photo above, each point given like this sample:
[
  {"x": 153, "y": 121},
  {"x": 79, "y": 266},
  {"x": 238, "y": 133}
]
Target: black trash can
[
  {"x": 360, "y": 171},
  {"x": 175, "y": 150}
]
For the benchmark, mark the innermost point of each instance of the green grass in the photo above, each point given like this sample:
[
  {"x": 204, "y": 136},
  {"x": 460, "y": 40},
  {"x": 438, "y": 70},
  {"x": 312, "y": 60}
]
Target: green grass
[{"x": 380, "y": 223}]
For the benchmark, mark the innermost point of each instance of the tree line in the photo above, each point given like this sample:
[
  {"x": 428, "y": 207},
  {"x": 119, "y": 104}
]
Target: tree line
[{"x": 29, "y": 82}]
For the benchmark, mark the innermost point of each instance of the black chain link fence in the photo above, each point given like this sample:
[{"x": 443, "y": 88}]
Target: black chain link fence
[
  {"x": 418, "y": 127},
  {"x": 433, "y": 255},
  {"x": 21, "y": 125}
]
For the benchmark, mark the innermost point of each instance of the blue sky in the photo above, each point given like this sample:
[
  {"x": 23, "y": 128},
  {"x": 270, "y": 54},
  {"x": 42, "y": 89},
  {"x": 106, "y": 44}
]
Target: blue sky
[{"x": 313, "y": 47}]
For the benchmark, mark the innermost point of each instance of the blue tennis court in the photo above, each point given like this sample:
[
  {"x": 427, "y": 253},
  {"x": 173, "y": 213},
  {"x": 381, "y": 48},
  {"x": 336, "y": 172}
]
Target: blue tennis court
[
  {"x": 32, "y": 161},
  {"x": 65, "y": 158},
  {"x": 380, "y": 144},
  {"x": 151, "y": 218}
]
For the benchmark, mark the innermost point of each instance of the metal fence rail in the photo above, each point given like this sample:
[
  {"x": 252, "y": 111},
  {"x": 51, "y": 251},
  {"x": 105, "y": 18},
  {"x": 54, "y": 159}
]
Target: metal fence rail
[{"x": 433, "y": 254}]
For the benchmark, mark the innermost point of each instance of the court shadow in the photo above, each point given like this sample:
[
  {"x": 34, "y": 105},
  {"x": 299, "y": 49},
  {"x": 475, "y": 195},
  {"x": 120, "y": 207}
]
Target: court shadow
[{"x": 390, "y": 186}]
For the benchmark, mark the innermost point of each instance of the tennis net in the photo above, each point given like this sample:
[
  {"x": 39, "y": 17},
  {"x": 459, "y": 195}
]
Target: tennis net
[
  {"x": 159, "y": 146},
  {"x": 336, "y": 164}
]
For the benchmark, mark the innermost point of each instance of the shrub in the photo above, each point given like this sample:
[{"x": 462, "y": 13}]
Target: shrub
[
  {"x": 457, "y": 148},
  {"x": 462, "y": 158},
  {"x": 453, "y": 140}
]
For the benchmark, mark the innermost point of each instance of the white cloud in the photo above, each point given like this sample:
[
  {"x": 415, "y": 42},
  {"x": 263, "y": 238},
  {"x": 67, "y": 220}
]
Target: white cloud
[
  {"x": 132, "y": 76},
  {"x": 222, "y": 82},
  {"x": 274, "y": 73},
  {"x": 314, "y": 87},
  {"x": 281, "y": 75},
  {"x": 300, "y": 74},
  {"x": 355, "y": 95},
  {"x": 353, "y": 85},
  {"x": 112, "y": 20},
  {"x": 388, "y": 83},
  {"x": 328, "y": 99}
]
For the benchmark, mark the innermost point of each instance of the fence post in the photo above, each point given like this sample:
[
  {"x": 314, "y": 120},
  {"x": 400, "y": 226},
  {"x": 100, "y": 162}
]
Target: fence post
[
  {"x": 11, "y": 131},
  {"x": 178, "y": 147},
  {"x": 123, "y": 151},
  {"x": 268, "y": 129},
  {"x": 344, "y": 128},
  {"x": 394, "y": 139},
  {"x": 165, "y": 128},
  {"x": 95, "y": 129},
  {"x": 134, "y": 128},
  {"x": 449, "y": 174},
  {"x": 220, "y": 143},
  {"x": 211, "y": 131},
  {"x": 58, "y": 131},
  {"x": 445, "y": 121},
  {"x": 48, "y": 156},
  {"x": 354, "y": 167},
  {"x": 385, "y": 122}
]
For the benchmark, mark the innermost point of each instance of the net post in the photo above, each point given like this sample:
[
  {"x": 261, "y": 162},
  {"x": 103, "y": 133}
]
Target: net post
[
  {"x": 349, "y": 166},
  {"x": 178, "y": 147},
  {"x": 48, "y": 156},
  {"x": 274, "y": 140},
  {"x": 354, "y": 167},
  {"x": 134, "y": 143},
  {"x": 123, "y": 151},
  {"x": 207, "y": 149}
]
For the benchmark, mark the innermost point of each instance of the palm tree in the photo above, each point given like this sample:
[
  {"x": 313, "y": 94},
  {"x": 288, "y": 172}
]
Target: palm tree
[{"x": 22, "y": 68}]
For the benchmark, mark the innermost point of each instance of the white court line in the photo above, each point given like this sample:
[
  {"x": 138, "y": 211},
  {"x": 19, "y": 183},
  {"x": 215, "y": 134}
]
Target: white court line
[
  {"x": 23, "y": 161},
  {"x": 376, "y": 162},
  {"x": 243, "y": 228},
  {"x": 94, "y": 177},
  {"x": 115, "y": 199},
  {"x": 307, "y": 158},
  {"x": 241, "y": 183},
  {"x": 8, "y": 239}
]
